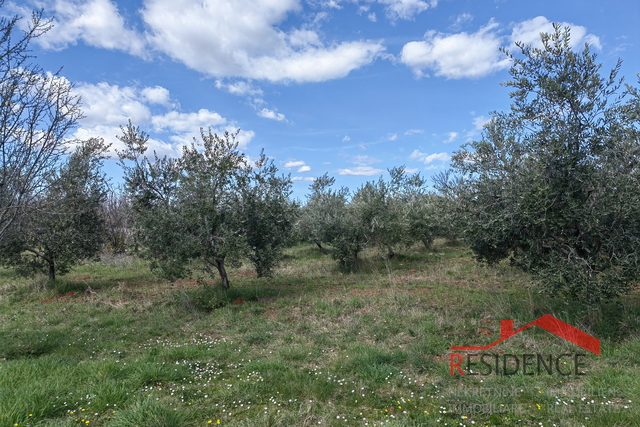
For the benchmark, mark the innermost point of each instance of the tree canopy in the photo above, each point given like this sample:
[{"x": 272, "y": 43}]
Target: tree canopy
[
  {"x": 210, "y": 206},
  {"x": 65, "y": 224},
  {"x": 554, "y": 183}
]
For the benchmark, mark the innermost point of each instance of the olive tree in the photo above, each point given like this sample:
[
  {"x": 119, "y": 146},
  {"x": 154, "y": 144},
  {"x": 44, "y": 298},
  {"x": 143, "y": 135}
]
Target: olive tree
[
  {"x": 447, "y": 209},
  {"x": 346, "y": 236},
  {"x": 554, "y": 183},
  {"x": 329, "y": 218},
  {"x": 65, "y": 225},
  {"x": 208, "y": 208},
  {"x": 267, "y": 216},
  {"x": 318, "y": 214},
  {"x": 36, "y": 112},
  {"x": 420, "y": 215},
  {"x": 397, "y": 212},
  {"x": 382, "y": 210},
  {"x": 382, "y": 214},
  {"x": 423, "y": 223},
  {"x": 184, "y": 207}
]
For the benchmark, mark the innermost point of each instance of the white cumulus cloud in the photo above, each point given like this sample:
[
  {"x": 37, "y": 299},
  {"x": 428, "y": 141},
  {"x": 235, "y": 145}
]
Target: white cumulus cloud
[
  {"x": 429, "y": 158},
  {"x": 272, "y": 115},
  {"x": 458, "y": 55},
  {"x": 294, "y": 164},
  {"x": 300, "y": 164},
  {"x": 474, "y": 55},
  {"x": 107, "y": 107},
  {"x": 528, "y": 32},
  {"x": 111, "y": 105},
  {"x": 231, "y": 38},
  {"x": 478, "y": 125},
  {"x": 97, "y": 23},
  {"x": 175, "y": 121},
  {"x": 360, "y": 171},
  {"x": 406, "y": 9},
  {"x": 480, "y": 121},
  {"x": 157, "y": 95},
  {"x": 451, "y": 136},
  {"x": 240, "y": 88},
  {"x": 246, "y": 39}
]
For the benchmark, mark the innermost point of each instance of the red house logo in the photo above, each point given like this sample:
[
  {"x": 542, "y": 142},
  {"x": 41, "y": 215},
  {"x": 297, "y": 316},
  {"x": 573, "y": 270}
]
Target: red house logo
[{"x": 549, "y": 323}]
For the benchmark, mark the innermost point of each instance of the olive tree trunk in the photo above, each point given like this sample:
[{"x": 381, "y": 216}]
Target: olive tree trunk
[{"x": 223, "y": 273}]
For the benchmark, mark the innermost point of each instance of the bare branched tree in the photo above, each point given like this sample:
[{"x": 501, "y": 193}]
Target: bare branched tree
[{"x": 37, "y": 109}]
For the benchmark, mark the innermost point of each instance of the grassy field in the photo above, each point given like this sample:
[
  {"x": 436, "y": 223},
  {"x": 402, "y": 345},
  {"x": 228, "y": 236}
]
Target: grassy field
[{"x": 111, "y": 345}]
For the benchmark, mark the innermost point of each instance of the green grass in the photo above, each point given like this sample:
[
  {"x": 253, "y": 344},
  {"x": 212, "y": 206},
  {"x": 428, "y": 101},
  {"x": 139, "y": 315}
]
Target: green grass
[{"x": 111, "y": 345}]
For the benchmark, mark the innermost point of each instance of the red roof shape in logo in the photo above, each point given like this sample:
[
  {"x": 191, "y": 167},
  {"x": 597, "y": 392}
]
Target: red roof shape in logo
[{"x": 549, "y": 323}]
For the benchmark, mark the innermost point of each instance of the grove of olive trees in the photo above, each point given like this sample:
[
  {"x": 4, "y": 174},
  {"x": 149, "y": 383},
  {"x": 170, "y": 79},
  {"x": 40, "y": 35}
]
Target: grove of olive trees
[
  {"x": 553, "y": 185},
  {"x": 386, "y": 215}
]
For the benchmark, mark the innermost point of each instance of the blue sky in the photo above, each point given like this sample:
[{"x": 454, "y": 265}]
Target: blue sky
[{"x": 348, "y": 87}]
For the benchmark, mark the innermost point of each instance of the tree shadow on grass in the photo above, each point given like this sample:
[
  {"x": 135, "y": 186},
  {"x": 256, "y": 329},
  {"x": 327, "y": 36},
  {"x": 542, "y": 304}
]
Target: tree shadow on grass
[{"x": 615, "y": 320}]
